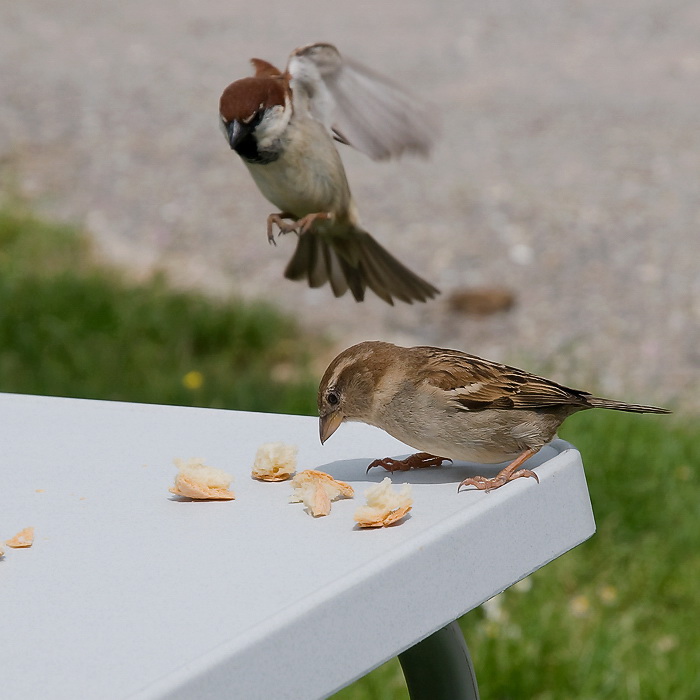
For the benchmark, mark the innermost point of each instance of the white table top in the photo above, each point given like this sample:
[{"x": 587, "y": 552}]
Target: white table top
[{"x": 129, "y": 593}]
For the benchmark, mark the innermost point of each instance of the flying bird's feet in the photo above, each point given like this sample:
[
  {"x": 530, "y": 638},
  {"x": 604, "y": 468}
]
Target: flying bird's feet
[
  {"x": 509, "y": 473},
  {"x": 299, "y": 226},
  {"x": 306, "y": 222},
  {"x": 284, "y": 226},
  {"x": 420, "y": 460}
]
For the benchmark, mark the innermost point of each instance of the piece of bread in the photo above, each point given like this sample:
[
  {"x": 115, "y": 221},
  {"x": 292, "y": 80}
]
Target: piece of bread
[
  {"x": 24, "y": 538},
  {"x": 196, "y": 480},
  {"x": 384, "y": 505},
  {"x": 317, "y": 489},
  {"x": 275, "y": 461}
]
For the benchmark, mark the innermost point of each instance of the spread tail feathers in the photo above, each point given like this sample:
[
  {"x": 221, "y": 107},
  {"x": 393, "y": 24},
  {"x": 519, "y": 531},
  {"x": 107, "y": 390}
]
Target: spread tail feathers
[
  {"x": 355, "y": 262},
  {"x": 619, "y": 406}
]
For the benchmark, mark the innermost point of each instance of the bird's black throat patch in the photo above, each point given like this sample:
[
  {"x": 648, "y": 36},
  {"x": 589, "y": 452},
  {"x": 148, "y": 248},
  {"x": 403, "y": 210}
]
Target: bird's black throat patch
[{"x": 247, "y": 148}]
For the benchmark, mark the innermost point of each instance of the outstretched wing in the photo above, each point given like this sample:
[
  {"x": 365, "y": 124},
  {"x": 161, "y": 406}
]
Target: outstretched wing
[{"x": 358, "y": 106}]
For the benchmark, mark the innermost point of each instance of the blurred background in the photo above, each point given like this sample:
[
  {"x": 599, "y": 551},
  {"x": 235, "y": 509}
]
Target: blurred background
[{"x": 559, "y": 214}]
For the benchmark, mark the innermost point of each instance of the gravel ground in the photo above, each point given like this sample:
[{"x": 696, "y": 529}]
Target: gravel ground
[{"x": 567, "y": 170}]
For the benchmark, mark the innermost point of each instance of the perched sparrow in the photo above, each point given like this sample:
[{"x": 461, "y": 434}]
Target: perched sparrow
[
  {"x": 283, "y": 124},
  {"x": 450, "y": 405}
]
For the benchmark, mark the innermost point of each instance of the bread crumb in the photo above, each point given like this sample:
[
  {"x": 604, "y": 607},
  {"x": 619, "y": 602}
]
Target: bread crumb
[
  {"x": 196, "y": 480},
  {"x": 317, "y": 489},
  {"x": 384, "y": 505},
  {"x": 24, "y": 538},
  {"x": 275, "y": 461}
]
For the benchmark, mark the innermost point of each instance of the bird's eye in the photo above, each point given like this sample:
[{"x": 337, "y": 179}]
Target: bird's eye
[{"x": 332, "y": 398}]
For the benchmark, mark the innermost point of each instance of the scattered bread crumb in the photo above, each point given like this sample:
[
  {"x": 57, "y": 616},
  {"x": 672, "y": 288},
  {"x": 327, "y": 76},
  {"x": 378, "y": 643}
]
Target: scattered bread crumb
[
  {"x": 196, "y": 480},
  {"x": 275, "y": 461},
  {"x": 384, "y": 505},
  {"x": 24, "y": 538},
  {"x": 2, "y": 551},
  {"x": 317, "y": 489},
  {"x": 38, "y": 490}
]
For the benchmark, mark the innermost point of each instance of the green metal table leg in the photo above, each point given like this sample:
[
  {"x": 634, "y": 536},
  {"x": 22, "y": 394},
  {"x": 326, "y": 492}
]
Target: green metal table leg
[{"x": 440, "y": 668}]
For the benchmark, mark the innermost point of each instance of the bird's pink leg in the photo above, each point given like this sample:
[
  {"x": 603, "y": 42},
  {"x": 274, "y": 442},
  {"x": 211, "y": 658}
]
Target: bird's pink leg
[
  {"x": 306, "y": 222},
  {"x": 300, "y": 226},
  {"x": 420, "y": 460},
  {"x": 504, "y": 476},
  {"x": 284, "y": 227}
]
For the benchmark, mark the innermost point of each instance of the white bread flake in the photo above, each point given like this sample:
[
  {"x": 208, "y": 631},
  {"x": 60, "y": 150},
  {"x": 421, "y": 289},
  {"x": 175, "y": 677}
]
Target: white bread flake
[
  {"x": 198, "y": 481},
  {"x": 316, "y": 490},
  {"x": 384, "y": 505}
]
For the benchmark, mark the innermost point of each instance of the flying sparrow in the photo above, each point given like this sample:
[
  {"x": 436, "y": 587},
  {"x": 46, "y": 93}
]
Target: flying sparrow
[
  {"x": 450, "y": 406},
  {"x": 283, "y": 126}
]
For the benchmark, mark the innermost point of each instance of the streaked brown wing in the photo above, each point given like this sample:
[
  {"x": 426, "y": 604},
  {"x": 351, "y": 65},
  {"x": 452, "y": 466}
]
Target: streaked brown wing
[{"x": 477, "y": 384}]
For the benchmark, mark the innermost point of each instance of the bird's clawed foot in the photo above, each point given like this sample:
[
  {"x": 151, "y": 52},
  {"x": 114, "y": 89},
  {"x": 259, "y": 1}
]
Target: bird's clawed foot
[
  {"x": 284, "y": 226},
  {"x": 509, "y": 473},
  {"x": 299, "y": 226},
  {"x": 420, "y": 460}
]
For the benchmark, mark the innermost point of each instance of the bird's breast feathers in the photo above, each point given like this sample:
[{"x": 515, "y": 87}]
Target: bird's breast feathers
[{"x": 307, "y": 176}]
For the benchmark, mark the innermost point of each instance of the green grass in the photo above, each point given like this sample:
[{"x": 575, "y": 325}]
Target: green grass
[
  {"x": 72, "y": 327},
  {"x": 616, "y": 618}
]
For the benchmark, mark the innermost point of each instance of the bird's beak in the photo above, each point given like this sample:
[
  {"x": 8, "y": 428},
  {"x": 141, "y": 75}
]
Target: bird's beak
[
  {"x": 235, "y": 131},
  {"x": 328, "y": 424}
]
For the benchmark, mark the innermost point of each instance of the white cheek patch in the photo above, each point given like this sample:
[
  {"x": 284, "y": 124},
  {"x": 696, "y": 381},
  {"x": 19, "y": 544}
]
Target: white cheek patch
[{"x": 273, "y": 125}]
